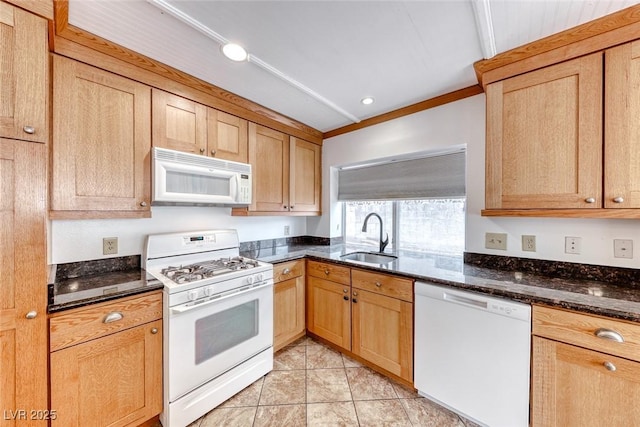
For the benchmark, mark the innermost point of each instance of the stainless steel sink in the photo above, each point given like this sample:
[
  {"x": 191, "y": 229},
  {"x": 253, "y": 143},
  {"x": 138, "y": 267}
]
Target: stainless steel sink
[{"x": 369, "y": 257}]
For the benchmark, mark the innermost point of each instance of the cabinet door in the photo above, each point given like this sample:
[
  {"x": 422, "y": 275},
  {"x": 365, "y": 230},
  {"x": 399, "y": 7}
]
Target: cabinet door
[
  {"x": 115, "y": 380},
  {"x": 288, "y": 312},
  {"x": 24, "y": 62},
  {"x": 573, "y": 387},
  {"x": 305, "y": 178},
  {"x": 269, "y": 158},
  {"x": 329, "y": 311},
  {"x": 383, "y": 332},
  {"x": 544, "y": 138},
  {"x": 101, "y": 141},
  {"x": 23, "y": 274},
  {"x": 227, "y": 136},
  {"x": 179, "y": 123},
  {"x": 622, "y": 129}
]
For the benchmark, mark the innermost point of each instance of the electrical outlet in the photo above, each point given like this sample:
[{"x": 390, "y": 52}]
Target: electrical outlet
[
  {"x": 572, "y": 245},
  {"x": 495, "y": 241},
  {"x": 623, "y": 248},
  {"x": 110, "y": 246},
  {"x": 528, "y": 243},
  {"x": 286, "y": 230}
]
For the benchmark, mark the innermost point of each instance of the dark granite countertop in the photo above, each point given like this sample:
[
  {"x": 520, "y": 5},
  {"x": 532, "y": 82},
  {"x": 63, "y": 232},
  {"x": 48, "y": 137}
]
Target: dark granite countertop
[
  {"x": 79, "y": 284},
  {"x": 616, "y": 298}
]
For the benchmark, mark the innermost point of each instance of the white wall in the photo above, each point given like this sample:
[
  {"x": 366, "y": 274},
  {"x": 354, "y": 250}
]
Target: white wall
[
  {"x": 463, "y": 122},
  {"x": 80, "y": 240}
]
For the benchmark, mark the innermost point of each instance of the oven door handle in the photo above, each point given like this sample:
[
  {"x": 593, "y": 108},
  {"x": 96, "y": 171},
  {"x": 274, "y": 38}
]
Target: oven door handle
[{"x": 246, "y": 289}]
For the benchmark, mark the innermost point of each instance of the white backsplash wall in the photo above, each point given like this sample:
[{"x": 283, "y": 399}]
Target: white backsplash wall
[
  {"x": 80, "y": 240},
  {"x": 463, "y": 122}
]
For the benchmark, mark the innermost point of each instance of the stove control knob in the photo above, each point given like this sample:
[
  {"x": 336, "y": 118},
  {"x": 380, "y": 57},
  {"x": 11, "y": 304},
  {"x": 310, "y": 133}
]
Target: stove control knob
[
  {"x": 250, "y": 279},
  {"x": 260, "y": 277},
  {"x": 193, "y": 294},
  {"x": 208, "y": 291}
]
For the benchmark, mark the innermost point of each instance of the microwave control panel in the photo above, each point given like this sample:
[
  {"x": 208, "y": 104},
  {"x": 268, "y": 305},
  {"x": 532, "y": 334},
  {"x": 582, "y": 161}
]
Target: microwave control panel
[{"x": 244, "y": 192}]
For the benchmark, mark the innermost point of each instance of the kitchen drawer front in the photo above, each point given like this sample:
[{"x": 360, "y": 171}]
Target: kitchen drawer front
[
  {"x": 84, "y": 324},
  {"x": 327, "y": 271},
  {"x": 583, "y": 329},
  {"x": 288, "y": 270},
  {"x": 383, "y": 284}
]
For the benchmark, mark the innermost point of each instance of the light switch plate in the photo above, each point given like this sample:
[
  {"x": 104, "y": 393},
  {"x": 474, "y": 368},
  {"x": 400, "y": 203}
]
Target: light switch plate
[{"x": 495, "y": 241}]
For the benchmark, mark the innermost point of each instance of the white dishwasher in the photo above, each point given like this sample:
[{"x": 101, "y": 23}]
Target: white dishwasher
[{"x": 472, "y": 354}]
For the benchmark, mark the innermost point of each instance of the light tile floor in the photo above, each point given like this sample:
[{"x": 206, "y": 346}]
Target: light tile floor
[{"x": 313, "y": 385}]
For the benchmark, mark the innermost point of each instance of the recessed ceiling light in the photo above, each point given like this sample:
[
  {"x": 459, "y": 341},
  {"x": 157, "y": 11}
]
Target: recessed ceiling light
[
  {"x": 234, "y": 52},
  {"x": 367, "y": 101}
]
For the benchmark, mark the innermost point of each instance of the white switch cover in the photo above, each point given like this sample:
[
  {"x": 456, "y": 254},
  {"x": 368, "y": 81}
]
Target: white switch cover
[
  {"x": 572, "y": 245},
  {"x": 623, "y": 248}
]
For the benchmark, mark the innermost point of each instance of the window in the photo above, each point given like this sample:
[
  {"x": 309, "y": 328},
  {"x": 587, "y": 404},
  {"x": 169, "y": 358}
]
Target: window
[{"x": 425, "y": 225}]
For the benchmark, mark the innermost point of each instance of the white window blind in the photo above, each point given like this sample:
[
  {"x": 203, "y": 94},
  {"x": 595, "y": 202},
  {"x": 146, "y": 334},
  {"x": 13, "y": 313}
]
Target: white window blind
[{"x": 441, "y": 176}]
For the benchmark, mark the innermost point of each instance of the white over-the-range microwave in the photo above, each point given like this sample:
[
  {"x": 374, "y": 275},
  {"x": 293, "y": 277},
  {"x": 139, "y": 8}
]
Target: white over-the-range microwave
[{"x": 188, "y": 179}]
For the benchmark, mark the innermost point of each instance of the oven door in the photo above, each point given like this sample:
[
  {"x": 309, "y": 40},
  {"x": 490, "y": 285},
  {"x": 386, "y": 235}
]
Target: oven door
[{"x": 209, "y": 338}]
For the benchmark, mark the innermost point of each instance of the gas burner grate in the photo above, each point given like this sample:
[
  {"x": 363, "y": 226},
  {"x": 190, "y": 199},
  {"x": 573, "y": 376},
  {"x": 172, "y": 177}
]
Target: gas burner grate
[{"x": 206, "y": 269}]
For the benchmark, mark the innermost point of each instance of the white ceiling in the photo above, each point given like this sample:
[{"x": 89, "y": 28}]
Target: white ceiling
[{"x": 399, "y": 52}]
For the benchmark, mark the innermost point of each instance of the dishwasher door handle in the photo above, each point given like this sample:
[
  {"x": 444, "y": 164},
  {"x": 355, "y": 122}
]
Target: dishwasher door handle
[{"x": 464, "y": 300}]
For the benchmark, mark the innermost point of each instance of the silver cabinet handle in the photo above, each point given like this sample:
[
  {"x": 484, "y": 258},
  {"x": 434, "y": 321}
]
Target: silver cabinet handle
[
  {"x": 154, "y": 330},
  {"x": 29, "y": 129},
  {"x": 345, "y": 290},
  {"x": 286, "y": 271},
  {"x": 378, "y": 284},
  {"x": 590, "y": 200},
  {"x": 610, "y": 366},
  {"x": 113, "y": 317},
  {"x": 143, "y": 204},
  {"x": 608, "y": 334},
  {"x": 326, "y": 271},
  {"x": 213, "y": 152},
  {"x": 31, "y": 315},
  {"x": 202, "y": 151},
  {"x": 618, "y": 199},
  {"x": 355, "y": 294}
]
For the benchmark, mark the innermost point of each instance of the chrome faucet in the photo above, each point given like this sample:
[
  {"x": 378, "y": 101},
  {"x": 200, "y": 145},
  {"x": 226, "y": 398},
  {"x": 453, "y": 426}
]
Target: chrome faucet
[{"x": 383, "y": 243}]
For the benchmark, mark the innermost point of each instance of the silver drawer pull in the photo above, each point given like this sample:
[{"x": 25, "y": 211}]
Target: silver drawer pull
[
  {"x": 378, "y": 284},
  {"x": 113, "y": 317},
  {"x": 29, "y": 129},
  {"x": 154, "y": 330},
  {"x": 608, "y": 334},
  {"x": 590, "y": 200},
  {"x": 31, "y": 315},
  {"x": 610, "y": 366},
  {"x": 286, "y": 271}
]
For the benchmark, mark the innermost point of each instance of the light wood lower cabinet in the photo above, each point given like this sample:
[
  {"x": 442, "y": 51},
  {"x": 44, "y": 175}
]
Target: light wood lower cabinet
[
  {"x": 288, "y": 303},
  {"x": 581, "y": 375},
  {"x": 105, "y": 371},
  {"x": 366, "y": 313}
]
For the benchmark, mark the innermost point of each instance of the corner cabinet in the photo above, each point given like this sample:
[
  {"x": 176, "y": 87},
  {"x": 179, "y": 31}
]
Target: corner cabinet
[
  {"x": 286, "y": 174},
  {"x": 184, "y": 125},
  {"x": 105, "y": 371},
  {"x": 101, "y": 144},
  {"x": 25, "y": 75},
  {"x": 550, "y": 131},
  {"x": 288, "y": 303},
  {"x": 585, "y": 370}
]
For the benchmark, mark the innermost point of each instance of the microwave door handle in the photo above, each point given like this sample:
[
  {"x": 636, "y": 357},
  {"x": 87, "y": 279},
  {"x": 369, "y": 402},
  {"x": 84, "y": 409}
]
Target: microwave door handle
[{"x": 185, "y": 307}]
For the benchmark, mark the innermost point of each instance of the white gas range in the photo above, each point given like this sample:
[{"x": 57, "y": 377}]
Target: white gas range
[{"x": 218, "y": 319}]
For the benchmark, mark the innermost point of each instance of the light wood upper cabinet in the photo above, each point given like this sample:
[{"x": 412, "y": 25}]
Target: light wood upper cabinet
[
  {"x": 227, "y": 136},
  {"x": 579, "y": 378},
  {"x": 305, "y": 176},
  {"x": 101, "y": 143},
  {"x": 544, "y": 138},
  {"x": 184, "y": 125},
  {"x": 107, "y": 374},
  {"x": 178, "y": 123},
  {"x": 286, "y": 174},
  {"x": 24, "y": 62},
  {"x": 622, "y": 128},
  {"x": 23, "y": 340}
]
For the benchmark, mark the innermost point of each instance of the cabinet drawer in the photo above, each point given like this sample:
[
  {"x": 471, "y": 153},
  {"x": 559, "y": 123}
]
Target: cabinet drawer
[
  {"x": 383, "y": 284},
  {"x": 84, "y": 324},
  {"x": 327, "y": 271},
  {"x": 288, "y": 270},
  {"x": 583, "y": 330}
]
